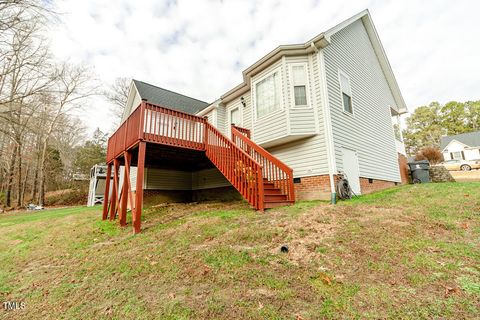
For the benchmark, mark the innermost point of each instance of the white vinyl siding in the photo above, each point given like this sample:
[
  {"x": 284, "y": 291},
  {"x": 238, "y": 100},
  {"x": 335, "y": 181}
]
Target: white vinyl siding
[
  {"x": 306, "y": 156},
  {"x": 369, "y": 131}
]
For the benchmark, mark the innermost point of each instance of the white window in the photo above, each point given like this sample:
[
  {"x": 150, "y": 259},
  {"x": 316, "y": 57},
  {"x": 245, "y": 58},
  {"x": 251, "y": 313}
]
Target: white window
[
  {"x": 346, "y": 92},
  {"x": 235, "y": 117},
  {"x": 267, "y": 94},
  {"x": 457, "y": 155},
  {"x": 299, "y": 79}
]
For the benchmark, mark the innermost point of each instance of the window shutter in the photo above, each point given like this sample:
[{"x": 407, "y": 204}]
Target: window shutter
[
  {"x": 463, "y": 156},
  {"x": 451, "y": 155}
]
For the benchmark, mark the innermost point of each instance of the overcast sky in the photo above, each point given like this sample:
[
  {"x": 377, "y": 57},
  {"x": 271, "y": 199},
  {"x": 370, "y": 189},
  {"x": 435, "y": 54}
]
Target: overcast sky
[{"x": 200, "y": 47}]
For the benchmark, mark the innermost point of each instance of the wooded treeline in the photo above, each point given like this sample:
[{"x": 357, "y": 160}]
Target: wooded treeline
[{"x": 38, "y": 95}]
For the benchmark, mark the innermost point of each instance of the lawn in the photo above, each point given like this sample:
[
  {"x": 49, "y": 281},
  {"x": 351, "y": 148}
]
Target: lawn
[{"x": 412, "y": 252}]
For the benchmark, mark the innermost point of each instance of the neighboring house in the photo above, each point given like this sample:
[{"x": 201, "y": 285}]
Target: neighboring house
[
  {"x": 325, "y": 107},
  {"x": 465, "y": 146}
]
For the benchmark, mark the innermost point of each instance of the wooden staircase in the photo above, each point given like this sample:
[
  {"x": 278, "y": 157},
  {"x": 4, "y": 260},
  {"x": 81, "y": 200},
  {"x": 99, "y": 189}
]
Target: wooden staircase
[
  {"x": 274, "y": 197},
  {"x": 262, "y": 179}
]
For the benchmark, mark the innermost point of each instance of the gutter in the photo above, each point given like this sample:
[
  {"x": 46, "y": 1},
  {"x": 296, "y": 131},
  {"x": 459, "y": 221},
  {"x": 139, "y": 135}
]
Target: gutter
[{"x": 311, "y": 46}]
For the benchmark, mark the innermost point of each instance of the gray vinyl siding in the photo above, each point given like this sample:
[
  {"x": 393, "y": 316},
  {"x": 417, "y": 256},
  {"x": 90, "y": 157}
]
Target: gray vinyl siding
[
  {"x": 369, "y": 130},
  {"x": 208, "y": 178},
  {"x": 133, "y": 177},
  {"x": 162, "y": 179}
]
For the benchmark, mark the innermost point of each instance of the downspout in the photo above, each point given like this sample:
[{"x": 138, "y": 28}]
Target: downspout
[{"x": 327, "y": 121}]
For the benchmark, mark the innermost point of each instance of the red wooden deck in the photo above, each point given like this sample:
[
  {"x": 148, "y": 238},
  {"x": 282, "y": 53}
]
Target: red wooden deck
[{"x": 263, "y": 180}]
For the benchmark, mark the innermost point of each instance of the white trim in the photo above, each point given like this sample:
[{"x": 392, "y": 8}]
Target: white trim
[
  {"x": 253, "y": 92},
  {"x": 132, "y": 92},
  {"x": 341, "y": 73},
  {"x": 453, "y": 140},
  {"x": 291, "y": 85},
  {"x": 327, "y": 121}
]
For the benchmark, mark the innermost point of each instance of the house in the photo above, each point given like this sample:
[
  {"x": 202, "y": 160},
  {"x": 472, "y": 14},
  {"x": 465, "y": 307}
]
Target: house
[
  {"x": 304, "y": 115},
  {"x": 465, "y": 146}
]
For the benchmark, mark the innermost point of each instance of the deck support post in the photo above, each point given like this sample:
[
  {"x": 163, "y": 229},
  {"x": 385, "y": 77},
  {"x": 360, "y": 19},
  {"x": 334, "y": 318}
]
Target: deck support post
[
  {"x": 136, "y": 217},
  {"x": 125, "y": 192},
  {"x": 107, "y": 192},
  {"x": 113, "y": 200}
]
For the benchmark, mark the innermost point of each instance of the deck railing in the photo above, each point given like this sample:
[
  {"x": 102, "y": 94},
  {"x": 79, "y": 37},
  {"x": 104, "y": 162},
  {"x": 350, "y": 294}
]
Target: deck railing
[
  {"x": 245, "y": 164},
  {"x": 170, "y": 127},
  {"x": 273, "y": 169},
  {"x": 243, "y": 172},
  {"x": 160, "y": 125}
]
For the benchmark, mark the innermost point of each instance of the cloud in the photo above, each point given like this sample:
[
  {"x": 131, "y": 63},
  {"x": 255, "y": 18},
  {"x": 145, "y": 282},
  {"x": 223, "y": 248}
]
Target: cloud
[{"x": 200, "y": 47}]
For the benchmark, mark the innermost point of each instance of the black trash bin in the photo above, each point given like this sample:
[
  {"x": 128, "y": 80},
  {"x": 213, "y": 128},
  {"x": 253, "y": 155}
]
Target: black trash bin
[{"x": 420, "y": 171}]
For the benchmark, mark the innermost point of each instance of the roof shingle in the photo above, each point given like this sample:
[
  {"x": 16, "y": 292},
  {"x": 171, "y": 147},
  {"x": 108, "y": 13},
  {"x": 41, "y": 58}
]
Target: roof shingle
[
  {"x": 471, "y": 139},
  {"x": 169, "y": 99}
]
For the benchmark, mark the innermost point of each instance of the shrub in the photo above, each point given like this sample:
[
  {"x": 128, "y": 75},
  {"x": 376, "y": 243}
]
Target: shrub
[{"x": 433, "y": 155}]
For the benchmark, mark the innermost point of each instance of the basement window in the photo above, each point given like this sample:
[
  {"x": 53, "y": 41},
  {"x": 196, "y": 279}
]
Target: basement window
[{"x": 297, "y": 180}]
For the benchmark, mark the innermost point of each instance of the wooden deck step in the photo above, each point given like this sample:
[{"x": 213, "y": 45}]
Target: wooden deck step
[
  {"x": 275, "y": 204},
  {"x": 275, "y": 197}
]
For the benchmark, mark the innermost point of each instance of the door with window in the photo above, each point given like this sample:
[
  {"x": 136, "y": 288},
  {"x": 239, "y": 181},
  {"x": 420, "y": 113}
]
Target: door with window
[
  {"x": 351, "y": 169},
  {"x": 235, "y": 118}
]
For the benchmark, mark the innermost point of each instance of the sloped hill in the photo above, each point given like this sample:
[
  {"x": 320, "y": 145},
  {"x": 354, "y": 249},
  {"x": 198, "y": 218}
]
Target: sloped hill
[{"x": 409, "y": 252}]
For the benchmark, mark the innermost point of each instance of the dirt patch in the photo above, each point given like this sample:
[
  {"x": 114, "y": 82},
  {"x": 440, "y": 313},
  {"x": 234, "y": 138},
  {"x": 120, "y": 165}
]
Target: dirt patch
[{"x": 305, "y": 234}]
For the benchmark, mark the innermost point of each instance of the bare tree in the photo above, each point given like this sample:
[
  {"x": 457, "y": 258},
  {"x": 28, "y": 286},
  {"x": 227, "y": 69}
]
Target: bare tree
[
  {"x": 117, "y": 94},
  {"x": 71, "y": 87}
]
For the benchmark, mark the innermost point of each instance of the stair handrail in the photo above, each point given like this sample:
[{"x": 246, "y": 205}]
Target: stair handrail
[
  {"x": 268, "y": 161},
  {"x": 231, "y": 166}
]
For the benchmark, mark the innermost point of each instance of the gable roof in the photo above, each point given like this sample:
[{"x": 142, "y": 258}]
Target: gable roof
[
  {"x": 470, "y": 139},
  {"x": 319, "y": 42},
  {"x": 169, "y": 99}
]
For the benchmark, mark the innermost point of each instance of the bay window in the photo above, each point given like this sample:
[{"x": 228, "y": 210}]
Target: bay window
[{"x": 267, "y": 93}]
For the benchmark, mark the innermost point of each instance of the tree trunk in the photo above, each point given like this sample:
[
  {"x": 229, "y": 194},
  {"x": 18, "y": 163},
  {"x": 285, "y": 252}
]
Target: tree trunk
[
  {"x": 41, "y": 193},
  {"x": 11, "y": 169},
  {"x": 19, "y": 175},
  {"x": 37, "y": 169},
  {"x": 24, "y": 184}
]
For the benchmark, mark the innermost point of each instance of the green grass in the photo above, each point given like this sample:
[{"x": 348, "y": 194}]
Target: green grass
[{"x": 410, "y": 252}]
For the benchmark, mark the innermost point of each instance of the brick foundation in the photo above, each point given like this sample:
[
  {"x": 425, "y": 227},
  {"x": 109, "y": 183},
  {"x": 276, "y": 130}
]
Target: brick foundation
[
  {"x": 403, "y": 165},
  {"x": 313, "y": 188},
  {"x": 318, "y": 187},
  {"x": 309, "y": 188},
  {"x": 372, "y": 185}
]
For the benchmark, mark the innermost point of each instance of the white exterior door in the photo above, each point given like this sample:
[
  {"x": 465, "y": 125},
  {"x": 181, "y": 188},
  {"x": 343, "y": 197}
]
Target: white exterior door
[{"x": 351, "y": 169}]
